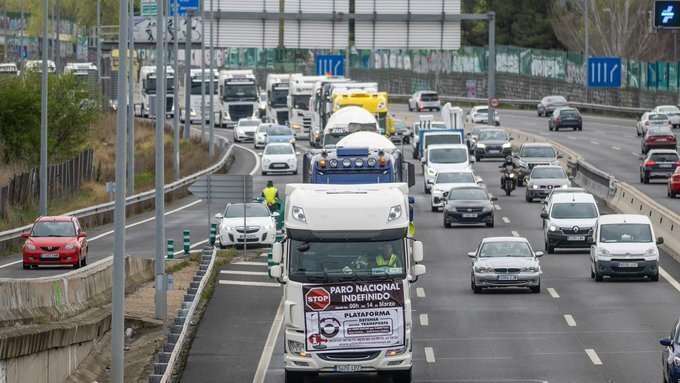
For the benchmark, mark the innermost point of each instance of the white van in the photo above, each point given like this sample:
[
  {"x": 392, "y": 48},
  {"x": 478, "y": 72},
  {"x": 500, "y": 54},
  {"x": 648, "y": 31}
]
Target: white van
[
  {"x": 568, "y": 220},
  {"x": 448, "y": 157}
]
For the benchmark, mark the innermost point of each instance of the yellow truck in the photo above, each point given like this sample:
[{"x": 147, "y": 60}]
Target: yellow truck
[{"x": 374, "y": 102}]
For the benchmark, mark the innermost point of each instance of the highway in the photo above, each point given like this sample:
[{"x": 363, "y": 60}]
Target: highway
[{"x": 575, "y": 330}]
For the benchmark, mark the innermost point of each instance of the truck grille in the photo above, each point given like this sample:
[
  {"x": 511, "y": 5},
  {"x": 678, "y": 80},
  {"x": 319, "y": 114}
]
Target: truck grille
[
  {"x": 238, "y": 112},
  {"x": 349, "y": 356},
  {"x": 169, "y": 101},
  {"x": 282, "y": 116},
  {"x": 307, "y": 123}
]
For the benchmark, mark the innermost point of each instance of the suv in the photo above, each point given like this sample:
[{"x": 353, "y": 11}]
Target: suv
[
  {"x": 568, "y": 220},
  {"x": 624, "y": 245},
  {"x": 492, "y": 143},
  {"x": 532, "y": 154},
  {"x": 424, "y": 99},
  {"x": 565, "y": 118},
  {"x": 658, "y": 163},
  {"x": 55, "y": 241}
]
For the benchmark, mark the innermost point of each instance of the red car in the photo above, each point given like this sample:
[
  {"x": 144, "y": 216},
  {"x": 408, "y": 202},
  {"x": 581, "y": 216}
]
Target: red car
[
  {"x": 658, "y": 138},
  {"x": 674, "y": 183},
  {"x": 55, "y": 241}
]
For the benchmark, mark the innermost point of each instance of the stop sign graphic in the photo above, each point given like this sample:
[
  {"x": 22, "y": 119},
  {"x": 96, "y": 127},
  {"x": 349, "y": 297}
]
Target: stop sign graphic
[{"x": 317, "y": 298}]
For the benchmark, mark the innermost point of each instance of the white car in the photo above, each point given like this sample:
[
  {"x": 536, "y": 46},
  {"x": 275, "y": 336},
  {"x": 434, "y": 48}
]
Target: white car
[
  {"x": 672, "y": 111},
  {"x": 261, "y": 135},
  {"x": 624, "y": 245},
  {"x": 424, "y": 99},
  {"x": 260, "y": 225},
  {"x": 480, "y": 115},
  {"x": 439, "y": 158},
  {"x": 651, "y": 119},
  {"x": 279, "y": 157},
  {"x": 245, "y": 129},
  {"x": 446, "y": 180}
]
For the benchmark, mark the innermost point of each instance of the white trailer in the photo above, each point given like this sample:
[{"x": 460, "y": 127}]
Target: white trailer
[
  {"x": 9, "y": 69},
  {"x": 198, "y": 78},
  {"x": 347, "y": 267},
  {"x": 238, "y": 96},
  {"x": 147, "y": 90},
  {"x": 298, "y": 100}
]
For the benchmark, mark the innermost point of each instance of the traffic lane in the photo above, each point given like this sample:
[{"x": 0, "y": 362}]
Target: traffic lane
[{"x": 189, "y": 215}]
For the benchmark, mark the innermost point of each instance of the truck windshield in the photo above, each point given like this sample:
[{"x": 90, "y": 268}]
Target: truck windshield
[
  {"x": 434, "y": 139},
  {"x": 448, "y": 156},
  {"x": 301, "y": 101},
  {"x": 278, "y": 98},
  {"x": 151, "y": 85},
  {"x": 317, "y": 262},
  {"x": 240, "y": 92},
  {"x": 196, "y": 87}
]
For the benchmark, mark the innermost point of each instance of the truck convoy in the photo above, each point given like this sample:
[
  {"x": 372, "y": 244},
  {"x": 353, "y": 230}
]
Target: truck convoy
[
  {"x": 199, "y": 78},
  {"x": 347, "y": 265},
  {"x": 238, "y": 95},
  {"x": 299, "y": 93},
  {"x": 147, "y": 90},
  {"x": 277, "y": 97},
  {"x": 315, "y": 107}
]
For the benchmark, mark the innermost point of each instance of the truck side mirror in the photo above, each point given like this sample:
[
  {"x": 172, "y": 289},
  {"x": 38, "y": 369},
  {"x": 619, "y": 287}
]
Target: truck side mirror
[
  {"x": 276, "y": 271},
  {"x": 277, "y": 253},
  {"x": 418, "y": 270},
  {"x": 417, "y": 251}
]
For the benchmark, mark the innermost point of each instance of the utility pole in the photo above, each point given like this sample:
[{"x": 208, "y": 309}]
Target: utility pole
[
  {"x": 203, "y": 70},
  {"x": 118, "y": 295},
  {"x": 586, "y": 51},
  {"x": 6, "y": 29},
  {"x": 491, "y": 83},
  {"x": 57, "y": 28},
  {"x": 175, "y": 117},
  {"x": 211, "y": 149},
  {"x": 161, "y": 302},
  {"x": 43, "y": 117},
  {"x": 187, "y": 76},
  {"x": 99, "y": 44},
  {"x": 131, "y": 103},
  {"x": 21, "y": 39}
]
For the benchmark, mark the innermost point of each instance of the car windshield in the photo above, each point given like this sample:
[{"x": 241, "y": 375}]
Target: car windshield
[
  {"x": 569, "y": 112},
  {"x": 625, "y": 233},
  {"x": 657, "y": 117},
  {"x": 279, "y": 97},
  {"x": 555, "y": 99},
  {"x": 538, "y": 152},
  {"x": 575, "y": 210},
  {"x": 482, "y": 111},
  {"x": 468, "y": 194},
  {"x": 455, "y": 178},
  {"x": 448, "y": 156},
  {"x": 278, "y": 149},
  {"x": 252, "y": 210},
  {"x": 669, "y": 109},
  {"x": 53, "y": 229},
  {"x": 542, "y": 173},
  {"x": 346, "y": 261},
  {"x": 664, "y": 157},
  {"x": 429, "y": 97},
  {"x": 243, "y": 123},
  {"x": 505, "y": 249},
  {"x": 659, "y": 132},
  {"x": 280, "y": 131},
  {"x": 492, "y": 136}
]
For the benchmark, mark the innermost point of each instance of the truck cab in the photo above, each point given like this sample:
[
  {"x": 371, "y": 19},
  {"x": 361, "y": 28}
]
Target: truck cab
[
  {"x": 277, "y": 98},
  {"x": 198, "y": 79},
  {"x": 317, "y": 106},
  {"x": 347, "y": 265},
  {"x": 238, "y": 96},
  {"x": 374, "y": 102},
  {"x": 147, "y": 90},
  {"x": 299, "y": 94}
]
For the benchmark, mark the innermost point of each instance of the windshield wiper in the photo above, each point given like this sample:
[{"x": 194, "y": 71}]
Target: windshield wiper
[
  {"x": 355, "y": 277},
  {"x": 386, "y": 275}
]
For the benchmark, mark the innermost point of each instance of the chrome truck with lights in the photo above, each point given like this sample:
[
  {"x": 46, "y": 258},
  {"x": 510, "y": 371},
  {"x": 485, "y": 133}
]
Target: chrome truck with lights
[
  {"x": 347, "y": 265},
  {"x": 238, "y": 96}
]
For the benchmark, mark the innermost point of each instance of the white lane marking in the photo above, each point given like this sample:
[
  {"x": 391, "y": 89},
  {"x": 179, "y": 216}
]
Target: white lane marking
[
  {"x": 571, "y": 137},
  {"x": 257, "y": 158},
  {"x": 515, "y": 234},
  {"x": 239, "y": 272},
  {"x": 245, "y": 263},
  {"x": 570, "y": 320},
  {"x": 593, "y": 357},
  {"x": 553, "y": 293},
  {"x": 248, "y": 283},
  {"x": 616, "y": 148},
  {"x": 429, "y": 355},
  {"x": 669, "y": 278},
  {"x": 424, "y": 320},
  {"x": 497, "y": 207},
  {"x": 630, "y": 136},
  {"x": 635, "y": 154},
  {"x": 191, "y": 247},
  {"x": 420, "y": 292},
  {"x": 269, "y": 345},
  {"x": 594, "y": 142},
  {"x": 506, "y": 220}
]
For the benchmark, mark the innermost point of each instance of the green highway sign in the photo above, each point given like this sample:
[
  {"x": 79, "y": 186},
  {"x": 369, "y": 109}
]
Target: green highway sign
[{"x": 149, "y": 8}]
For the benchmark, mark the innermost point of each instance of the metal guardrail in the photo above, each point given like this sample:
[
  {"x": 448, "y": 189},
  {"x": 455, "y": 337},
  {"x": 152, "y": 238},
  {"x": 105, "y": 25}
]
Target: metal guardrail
[{"x": 131, "y": 201}]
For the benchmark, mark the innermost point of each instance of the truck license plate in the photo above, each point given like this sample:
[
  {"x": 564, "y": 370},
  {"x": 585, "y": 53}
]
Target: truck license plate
[
  {"x": 628, "y": 264},
  {"x": 506, "y": 277},
  {"x": 576, "y": 238},
  {"x": 469, "y": 215},
  {"x": 347, "y": 368}
]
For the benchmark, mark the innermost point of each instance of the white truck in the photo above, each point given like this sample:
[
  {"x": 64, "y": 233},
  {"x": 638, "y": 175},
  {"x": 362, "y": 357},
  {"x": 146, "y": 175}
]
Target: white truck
[
  {"x": 84, "y": 72},
  {"x": 315, "y": 105},
  {"x": 197, "y": 79},
  {"x": 277, "y": 96},
  {"x": 238, "y": 96},
  {"x": 347, "y": 265},
  {"x": 147, "y": 90},
  {"x": 9, "y": 69},
  {"x": 346, "y": 121},
  {"x": 300, "y": 90},
  {"x": 36, "y": 66}
]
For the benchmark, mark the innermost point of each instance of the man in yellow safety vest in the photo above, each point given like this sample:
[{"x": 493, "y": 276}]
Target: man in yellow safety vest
[
  {"x": 270, "y": 194},
  {"x": 387, "y": 260}
]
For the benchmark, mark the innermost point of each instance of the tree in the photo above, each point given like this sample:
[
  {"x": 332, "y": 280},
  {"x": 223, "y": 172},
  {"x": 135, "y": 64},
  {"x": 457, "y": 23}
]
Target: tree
[{"x": 617, "y": 28}]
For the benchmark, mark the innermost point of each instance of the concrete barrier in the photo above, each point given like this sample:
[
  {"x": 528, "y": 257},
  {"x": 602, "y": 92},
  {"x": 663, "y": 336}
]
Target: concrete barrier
[{"x": 43, "y": 300}]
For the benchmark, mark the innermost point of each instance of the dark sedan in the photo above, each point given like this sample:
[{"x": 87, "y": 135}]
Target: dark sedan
[
  {"x": 658, "y": 163},
  {"x": 565, "y": 118},
  {"x": 658, "y": 138},
  {"x": 671, "y": 355},
  {"x": 469, "y": 205},
  {"x": 549, "y": 103},
  {"x": 492, "y": 143}
]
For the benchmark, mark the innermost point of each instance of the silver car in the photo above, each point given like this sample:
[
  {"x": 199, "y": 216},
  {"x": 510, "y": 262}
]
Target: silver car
[
  {"x": 543, "y": 179},
  {"x": 505, "y": 262}
]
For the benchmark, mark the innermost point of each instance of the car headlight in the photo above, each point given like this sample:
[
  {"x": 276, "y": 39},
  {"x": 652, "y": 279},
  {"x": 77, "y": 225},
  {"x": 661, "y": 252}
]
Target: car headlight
[
  {"x": 552, "y": 228},
  {"x": 395, "y": 213},
  {"x": 482, "y": 269},
  {"x": 651, "y": 252},
  {"x": 291, "y": 161},
  {"x": 291, "y": 141},
  {"x": 266, "y": 161},
  {"x": 507, "y": 145},
  {"x": 299, "y": 214},
  {"x": 487, "y": 208},
  {"x": 297, "y": 348},
  {"x": 239, "y": 131},
  {"x": 269, "y": 226},
  {"x": 480, "y": 145},
  {"x": 70, "y": 246},
  {"x": 676, "y": 361},
  {"x": 431, "y": 172},
  {"x": 29, "y": 246},
  {"x": 530, "y": 269},
  {"x": 534, "y": 186},
  {"x": 603, "y": 252},
  {"x": 192, "y": 112}
]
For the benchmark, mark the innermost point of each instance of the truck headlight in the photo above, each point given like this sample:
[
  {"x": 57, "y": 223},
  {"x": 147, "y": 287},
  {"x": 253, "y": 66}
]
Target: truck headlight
[
  {"x": 431, "y": 172},
  {"x": 299, "y": 214},
  {"x": 564, "y": 186},
  {"x": 297, "y": 348},
  {"x": 395, "y": 212},
  {"x": 291, "y": 141},
  {"x": 397, "y": 351},
  {"x": 296, "y": 126}
]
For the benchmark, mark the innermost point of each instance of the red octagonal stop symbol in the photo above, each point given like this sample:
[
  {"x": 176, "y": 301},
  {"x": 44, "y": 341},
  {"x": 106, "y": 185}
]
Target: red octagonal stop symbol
[{"x": 317, "y": 298}]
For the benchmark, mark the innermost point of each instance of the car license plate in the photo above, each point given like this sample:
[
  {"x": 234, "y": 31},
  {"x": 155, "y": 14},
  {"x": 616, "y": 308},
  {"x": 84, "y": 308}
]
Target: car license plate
[
  {"x": 250, "y": 236},
  {"x": 665, "y": 165},
  {"x": 506, "y": 277},
  {"x": 347, "y": 368},
  {"x": 50, "y": 256},
  {"x": 576, "y": 238},
  {"x": 469, "y": 215},
  {"x": 277, "y": 166},
  {"x": 660, "y": 140},
  {"x": 494, "y": 151},
  {"x": 628, "y": 264}
]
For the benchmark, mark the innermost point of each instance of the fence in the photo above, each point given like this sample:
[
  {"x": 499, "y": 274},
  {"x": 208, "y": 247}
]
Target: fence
[{"x": 63, "y": 179}]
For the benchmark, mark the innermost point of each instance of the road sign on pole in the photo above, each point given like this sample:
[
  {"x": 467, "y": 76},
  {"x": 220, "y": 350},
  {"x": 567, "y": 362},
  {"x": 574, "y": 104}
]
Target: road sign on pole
[
  {"x": 667, "y": 14},
  {"x": 604, "y": 72},
  {"x": 330, "y": 64},
  {"x": 494, "y": 102},
  {"x": 149, "y": 7},
  {"x": 184, "y": 6}
]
